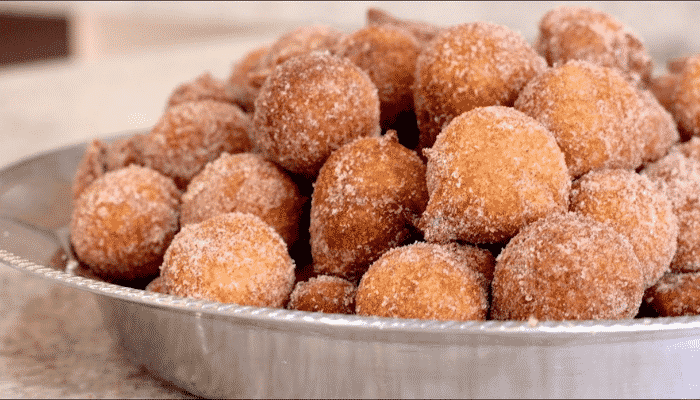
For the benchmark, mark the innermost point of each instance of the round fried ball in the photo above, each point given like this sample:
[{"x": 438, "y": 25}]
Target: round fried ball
[
  {"x": 229, "y": 258},
  {"x": 324, "y": 293},
  {"x": 310, "y": 106},
  {"x": 124, "y": 221},
  {"x": 567, "y": 267},
  {"x": 467, "y": 66},
  {"x": 90, "y": 167},
  {"x": 676, "y": 295},
  {"x": 593, "y": 112},
  {"x": 679, "y": 177},
  {"x": 156, "y": 286},
  {"x": 491, "y": 171},
  {"x": 367, "y": 197},
  {"x": 582, "y": 33},
  {"x": 425, "y": 281},
  {"x": 189, "y": 135},
  {"x": 244, "y": 182},
  {"x": 302, "y": 40},
  {"x": 203, "y": 87},
  {"x": 663, "y": 87},
  {"x": 634, "y": 207},
  {"x": 422, "y": 31},
  {"x": 388, "y": 55},
  {"x": 686, "y": 97},
  {"x": 657, "y": 127},
  {"x": 239, "y": 86}
]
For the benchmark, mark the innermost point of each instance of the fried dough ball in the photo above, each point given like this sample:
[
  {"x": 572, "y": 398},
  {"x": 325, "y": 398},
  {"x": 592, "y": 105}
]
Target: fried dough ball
[
  {"x": 676, "y": 295},
  {"x": 230, "y": 258},
  {"x": 388, "y": 55},
  {"x": 247, "y": 183},
  {"x": 582, "y": 33},
  {"x": 239, "y": 86},
  {"x": 467, "y": 66},
  {"x": 203, "y": 87},
  {"x": 425, "y": 281},
  {"x": 663, "y": 87},
  {"x": 124, "y": 152},
  {"x": 156, "y": 286},
  {"x": 189, "y": 135},
  {"x": 367, "y": 197},
  {"x": 422, "y": 31},
  {"x": 567, "y": 267},
  {"x": 593, "y": 112},
  {"x": 124, "y": 221},
  {"x": 90, "y": 167},
  {"x": 491, "y": 171},
  {"x": 324, "y": 293},
  {"x": 634, "y": 207},
  {"x": 679, "y": 177},
  {"x": 686, "y": 97},
  {"x": 657, "y": 127},
  {"x": 310, "y": 106}
]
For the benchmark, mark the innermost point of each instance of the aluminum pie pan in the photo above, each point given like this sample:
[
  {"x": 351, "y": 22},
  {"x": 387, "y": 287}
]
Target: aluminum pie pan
[{"x": 225, "y": 350}]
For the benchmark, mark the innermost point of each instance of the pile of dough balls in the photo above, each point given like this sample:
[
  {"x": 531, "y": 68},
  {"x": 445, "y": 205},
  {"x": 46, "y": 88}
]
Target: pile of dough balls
[{"x": 410, "y": 170}]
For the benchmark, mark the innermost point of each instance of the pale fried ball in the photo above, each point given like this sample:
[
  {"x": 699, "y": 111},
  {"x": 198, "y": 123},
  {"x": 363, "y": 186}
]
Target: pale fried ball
[
  {"x": 633, "y": 206},
  {"x": 467, "y": 66},
  {"x": 245, "y": 182},
  {"x": 567, "y": 267},
  {"x": 230, "y": 258},
  {"x": 491, "y": 171},
  {"x": 368, "y": 196},
  {"x": 189, "y": 135},
  {"x": 123, "y": 222},
  {"x": 310, "y": 106},
  {"x": 425, "y": 281}
]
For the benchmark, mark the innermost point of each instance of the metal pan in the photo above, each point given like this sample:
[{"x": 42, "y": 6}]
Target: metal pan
[{"x": 224, "y": 350}]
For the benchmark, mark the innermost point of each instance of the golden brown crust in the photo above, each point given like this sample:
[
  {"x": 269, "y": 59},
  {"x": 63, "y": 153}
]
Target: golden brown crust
[
  {"x": 239, "y": 86},
  {"x": 247, "y": 183},
  {"x": 467, "y": 66},
  {"x": 491, "y": 171},
  {"x": 582, "y": 33},
  {"x": 203, "y": 87},
  {"x": 189, "y": 135},
  {"x": 676, "y": 295},
  {"x": 324, "y": 293},
  {"x": 567, "y": 266},
  {"x": 634, "y": 207},
  {"x": 686, "y": 97},
  {"x": 593, "y": 112},
  {"x": 422, "y": 280},
  {"x": 91, "y": 167},
  {"x": 367, "y": 197},
  {"x": 309, "y": 107},
  {"x": 124, "y": 221},
  {"x": 230, "y": 258}
]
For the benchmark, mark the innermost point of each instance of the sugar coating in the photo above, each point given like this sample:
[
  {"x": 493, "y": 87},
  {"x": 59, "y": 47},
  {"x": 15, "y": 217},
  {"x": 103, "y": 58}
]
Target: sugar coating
[
  {"x": 675, "y": 295},
  {"x": 491, "y": 171},
  {"x": 90, "y": 167},
  {"x": 124, "y": 221},
  {"x": 156, "y": 286},
  {"x": 247, "y": 183},
  {"x": 567, "y": 267},
  {"x": 422, "y": 31},
  {"x": 124, "y": 152},
  {"x": 425, "y": 281},
  {"x": 324, "y": 293},
  {"x": 468, "y": 66},
  {"x": 203, "y": 87},
  {"x": 634, "y": 207},
  {"x": 663, "y": 87},
  {"x": 239, "y": 86},
  {"x": 657, "y": 128},
  {"x": 388, "y": 55},
  {"x": 582, "y": 33},
  {"x": 679, "y": 177},
  {"x": 686, "y": 97},
  {"x": 302, "y": 40},
  {"x": 593, "y": 112},
  {"x": 189, "y": 135},
  {"x": 230, "y": 258},
  {"x": 366, "y": 198},
  {"x": 310, "y": 106}
]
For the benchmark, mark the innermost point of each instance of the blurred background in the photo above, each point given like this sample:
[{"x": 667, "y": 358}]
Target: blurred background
[{"x": 35, "y": 30}]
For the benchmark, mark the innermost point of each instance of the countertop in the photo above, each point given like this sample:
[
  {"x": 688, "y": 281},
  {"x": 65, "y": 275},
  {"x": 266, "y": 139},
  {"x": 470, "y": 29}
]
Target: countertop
[{"x": 52, "y": 340}]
